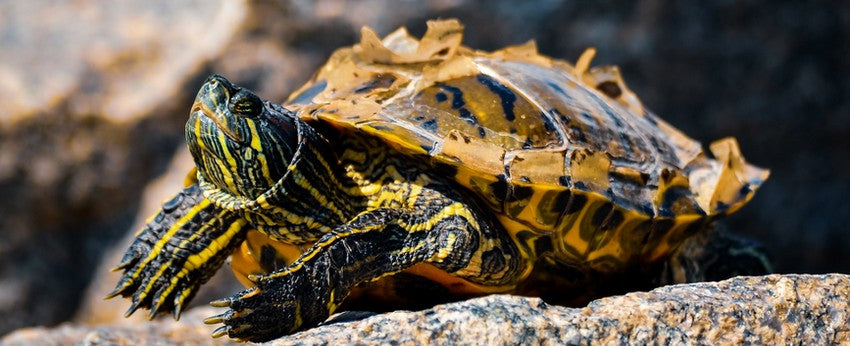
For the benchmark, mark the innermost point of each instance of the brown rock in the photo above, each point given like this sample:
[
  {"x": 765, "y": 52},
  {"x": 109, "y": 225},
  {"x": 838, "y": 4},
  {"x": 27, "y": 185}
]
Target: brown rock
[
  {"x": 774, "y": 309},
  {"x": 190, "y": 330},
  {"x": 118, "y": 60}
]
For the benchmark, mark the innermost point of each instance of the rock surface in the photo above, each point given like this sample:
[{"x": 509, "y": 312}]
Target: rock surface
[
  {"x": 190, "y": 330},
  {"x": 792, "y": 309},
  {"x": 774, "y": 309},
  {"x": 93, "y": 98}
]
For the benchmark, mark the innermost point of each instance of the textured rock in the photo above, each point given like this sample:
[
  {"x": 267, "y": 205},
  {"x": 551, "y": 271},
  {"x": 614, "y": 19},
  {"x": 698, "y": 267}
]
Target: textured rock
[
  {"x": 120, "y": 64},
  {"x": 775, "y": 309},
  {"x": 791, "y": 309},
  {"x": 190, "y": 330}
]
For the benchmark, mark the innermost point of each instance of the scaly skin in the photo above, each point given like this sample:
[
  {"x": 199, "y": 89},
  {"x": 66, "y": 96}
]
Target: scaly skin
[
  {"x": 437, "y": 228},
  {"x": 178, "y": 250},
  {"x": 368, "y": 219}
]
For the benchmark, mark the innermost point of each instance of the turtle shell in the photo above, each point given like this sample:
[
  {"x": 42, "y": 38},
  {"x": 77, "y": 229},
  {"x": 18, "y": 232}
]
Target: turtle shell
[{"x": 553, "y": 148}]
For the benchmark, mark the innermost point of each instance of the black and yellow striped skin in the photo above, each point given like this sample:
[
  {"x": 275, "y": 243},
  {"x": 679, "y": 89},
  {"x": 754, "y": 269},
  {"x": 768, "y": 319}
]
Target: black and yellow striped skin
[
  {"x": 243, "y": 155},
  {"x": 178, "y": 251},
  {"x": 367, "y": 212},
  {"x": 465, "y": 172},
  {"x": 383, "y": 215}
]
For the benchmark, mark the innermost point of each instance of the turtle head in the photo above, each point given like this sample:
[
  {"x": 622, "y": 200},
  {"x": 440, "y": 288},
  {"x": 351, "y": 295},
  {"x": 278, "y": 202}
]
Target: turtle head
[{"x": 241, "y": 144}]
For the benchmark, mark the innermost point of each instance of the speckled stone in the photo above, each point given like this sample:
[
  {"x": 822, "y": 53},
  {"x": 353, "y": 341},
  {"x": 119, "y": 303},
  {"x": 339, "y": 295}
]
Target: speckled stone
[
  {"x": 190, "y": 330},
  {"x": 774, "y": 309}
]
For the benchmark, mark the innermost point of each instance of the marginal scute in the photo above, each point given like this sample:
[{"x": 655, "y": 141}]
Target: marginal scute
[
  {"x": 475, "y": 151},
  {"x": 674, "y": 196},
  {"x": 483, "y": 186},
  {"x": 551, "y": 205},
  {"x": 631, "y": 174},
  {"x": 737, "y": 180}
]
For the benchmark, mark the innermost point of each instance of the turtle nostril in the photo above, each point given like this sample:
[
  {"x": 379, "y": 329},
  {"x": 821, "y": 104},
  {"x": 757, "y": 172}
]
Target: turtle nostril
[
  {"x": 212, "y": 79},
  {"x": 215, "y": 80}
]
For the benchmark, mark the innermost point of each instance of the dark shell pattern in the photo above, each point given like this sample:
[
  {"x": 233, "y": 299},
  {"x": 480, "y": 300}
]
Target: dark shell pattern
[{"x": 554, "y": 149}]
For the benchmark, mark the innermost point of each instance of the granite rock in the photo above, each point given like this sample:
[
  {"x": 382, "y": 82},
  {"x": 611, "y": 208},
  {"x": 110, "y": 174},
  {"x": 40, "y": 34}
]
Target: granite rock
[
  {"x": 774, "y": 309},
  {"x": 190, "y": 330}
]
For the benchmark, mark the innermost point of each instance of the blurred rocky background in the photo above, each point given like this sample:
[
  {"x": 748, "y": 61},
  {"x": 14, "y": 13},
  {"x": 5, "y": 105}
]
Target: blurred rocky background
[{"x": 93, "y": 96}]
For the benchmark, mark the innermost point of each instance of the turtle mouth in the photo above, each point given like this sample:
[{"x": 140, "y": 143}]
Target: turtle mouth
[{"x": 204, "y": 114}]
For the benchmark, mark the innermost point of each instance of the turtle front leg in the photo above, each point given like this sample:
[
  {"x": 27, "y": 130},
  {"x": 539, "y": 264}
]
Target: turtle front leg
[
  {"x": 444, "y": 232},
  {"x": 179, "y": 249}
]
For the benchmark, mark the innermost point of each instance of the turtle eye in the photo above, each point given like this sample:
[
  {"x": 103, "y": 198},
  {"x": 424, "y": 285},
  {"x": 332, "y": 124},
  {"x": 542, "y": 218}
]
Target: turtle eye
[{"x": 246, "y": 104}]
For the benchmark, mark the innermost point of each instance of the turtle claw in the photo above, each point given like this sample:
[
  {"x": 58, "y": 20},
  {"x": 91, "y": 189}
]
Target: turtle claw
[
  {"x": 133, "y": 307},
  {"x": 180, "y": 299},
  {"x": 124, "y": 285},
  {"x": 176, "y": 312},
  {"x": 221, "y": 331},
  {"x": 263, "y": 314},
  {"x": 220, "y": 318},
  {"x": 214, "y": 320},
  {"x": 155, "y": 306},
  {"x": 126, "y": 262},
  {"x": 222, "y": 303},
  {"x": 118, "y": 290},
  {"x": 120, "y": 267}
]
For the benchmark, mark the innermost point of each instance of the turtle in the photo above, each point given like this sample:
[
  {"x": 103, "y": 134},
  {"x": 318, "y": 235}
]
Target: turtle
[{"x": 420, "y": 170}]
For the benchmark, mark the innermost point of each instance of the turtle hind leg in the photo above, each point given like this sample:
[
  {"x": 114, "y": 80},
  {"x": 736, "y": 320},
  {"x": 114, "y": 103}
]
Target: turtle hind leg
[
  {"x": 179, "y": 249},
  {"x": 439, "y": 230},
  {"x": 713, "y": 255}
]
